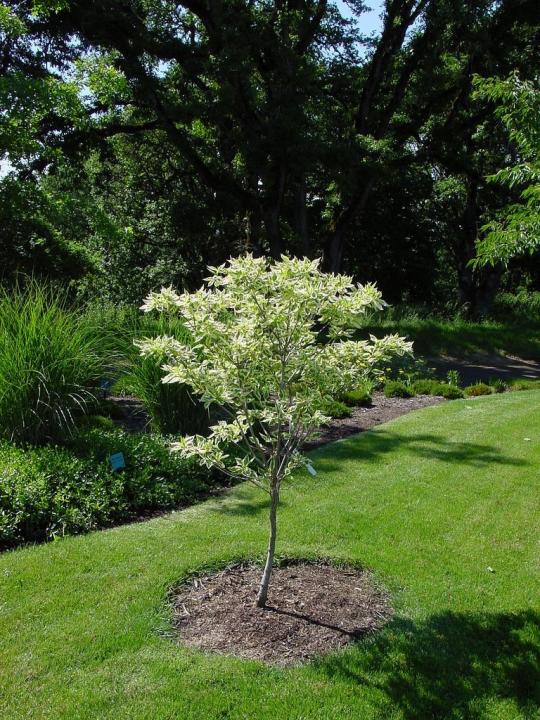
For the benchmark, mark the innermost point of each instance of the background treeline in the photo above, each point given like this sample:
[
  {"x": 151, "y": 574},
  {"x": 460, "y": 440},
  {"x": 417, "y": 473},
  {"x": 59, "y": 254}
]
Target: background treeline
[{"x": 148, "y": 138}]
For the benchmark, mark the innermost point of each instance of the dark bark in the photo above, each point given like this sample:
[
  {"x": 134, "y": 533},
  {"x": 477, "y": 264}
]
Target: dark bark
[
  {"x": 301, "y": 218},
  {"x": 476, "y": 289},
  {"x": 333, "y": 256}
]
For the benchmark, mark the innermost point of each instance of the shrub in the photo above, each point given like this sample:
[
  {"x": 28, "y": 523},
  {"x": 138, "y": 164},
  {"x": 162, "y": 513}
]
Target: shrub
[
  {"x": 435, "y": 387},
  {"x": 50, "y": 491},
  {"x": 448, "y": 391},
  {"x": 426, "y": 387},
  {"x": 520, "y": 305},
  {"x": 154, "y": 476},
  {"x": 394, "y": 388},
  {"x": 46, "y": 491},
  {"x": 51, "y": 359},
  {"x": 478, "y": 389},
  {"x": 498, "y": 385},
  {"x": 524, "y": 385},
  {"x": 360, "y": 396},
  {"x": 336, "y": 409}
]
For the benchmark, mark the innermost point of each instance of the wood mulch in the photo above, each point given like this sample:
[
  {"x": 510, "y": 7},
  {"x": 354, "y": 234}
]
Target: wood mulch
[
  {"x": 313, "y": 608},
  {"x": 382, "y": 410}
]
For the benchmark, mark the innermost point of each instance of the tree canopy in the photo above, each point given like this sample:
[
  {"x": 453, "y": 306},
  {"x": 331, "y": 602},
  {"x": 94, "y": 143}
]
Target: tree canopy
[{"x": 195, "y": 130}]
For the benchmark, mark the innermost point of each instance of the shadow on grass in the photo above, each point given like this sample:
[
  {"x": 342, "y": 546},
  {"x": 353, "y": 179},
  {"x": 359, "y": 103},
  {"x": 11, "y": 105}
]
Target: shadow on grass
[
  {"x": 449, "y": 666},
  {"x": 368, "y": 448},
  {"x": 439, "y": 337},
  {"x": 426, "y": 446},
  {"x": 244, "y": 504}
]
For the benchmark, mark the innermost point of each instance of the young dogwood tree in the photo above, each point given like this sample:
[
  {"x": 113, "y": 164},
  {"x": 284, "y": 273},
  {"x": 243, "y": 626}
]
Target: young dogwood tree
[{"x": 270, "y": 345}]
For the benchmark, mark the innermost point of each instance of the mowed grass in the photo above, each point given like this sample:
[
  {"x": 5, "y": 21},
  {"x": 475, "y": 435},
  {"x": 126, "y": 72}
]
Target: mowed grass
[
  {"x": 443, "y": 504},
  {"x": 461, "y": 337}
]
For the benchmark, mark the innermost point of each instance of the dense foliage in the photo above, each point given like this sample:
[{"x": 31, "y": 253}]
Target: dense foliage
[
  {"x": 50, "y": 491},
  {"x": 517, "y": 228},
  {"x": 271, "y": 347},
  {"x": 176, "y": 134},
  {"x": 52, "y": 357}
]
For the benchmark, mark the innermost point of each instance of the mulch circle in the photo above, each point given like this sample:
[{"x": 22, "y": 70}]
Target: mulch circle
[{"x": 313, "y": 608}]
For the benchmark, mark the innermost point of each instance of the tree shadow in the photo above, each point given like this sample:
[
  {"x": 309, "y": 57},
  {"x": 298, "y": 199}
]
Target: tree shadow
[
  {"x": 368, "y": 448},
  {"x": 433, "y": 337},
  {"x": 448, "y": 666},
  {"x": 381, "y": 442},
  {"x": 243, "y": 503}
]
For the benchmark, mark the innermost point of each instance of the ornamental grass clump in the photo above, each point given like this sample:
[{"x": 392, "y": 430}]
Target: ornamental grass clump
[
  {"x": 270, "y": 345},
  {"x": 52, "y": 357}
]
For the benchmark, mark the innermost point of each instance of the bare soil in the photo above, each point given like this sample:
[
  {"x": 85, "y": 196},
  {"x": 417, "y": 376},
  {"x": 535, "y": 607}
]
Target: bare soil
[
  {"x": 313, "y": 608},
  {"x": 381, "y": 410}
]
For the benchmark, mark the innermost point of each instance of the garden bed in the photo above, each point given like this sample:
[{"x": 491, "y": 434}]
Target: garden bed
[
  {"x": 382, "y": 410},
  {"x": 313, "y": 608}
]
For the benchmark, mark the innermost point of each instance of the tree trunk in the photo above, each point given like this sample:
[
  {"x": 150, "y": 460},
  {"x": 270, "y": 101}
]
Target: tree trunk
[
  {"x": 301, "y": 218},
  {"x": 476, "y": 288},
  {"x": 465, "y": 250},
  {"x": 253, "y": 233},
  {"x": 267, "y": 573},
  {"x": 273, "y": 233},
  {"x": 333, "y": 256}
]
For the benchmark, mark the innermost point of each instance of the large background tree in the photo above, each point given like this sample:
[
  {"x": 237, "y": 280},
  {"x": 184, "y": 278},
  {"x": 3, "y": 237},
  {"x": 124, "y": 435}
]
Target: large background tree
[{"x": 202, "y": 128}]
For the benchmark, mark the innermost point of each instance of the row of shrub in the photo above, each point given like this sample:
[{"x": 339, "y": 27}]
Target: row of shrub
[
  {"x": 451, "y": 391},
  {"x": 50, "y": 491}
]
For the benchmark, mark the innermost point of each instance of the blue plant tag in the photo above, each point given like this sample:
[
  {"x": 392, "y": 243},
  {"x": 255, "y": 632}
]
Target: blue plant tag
[
  {"x": 105, "y": 386},
  {"x": 311, "y": 470},
  {"x": 117, "y": 461}
]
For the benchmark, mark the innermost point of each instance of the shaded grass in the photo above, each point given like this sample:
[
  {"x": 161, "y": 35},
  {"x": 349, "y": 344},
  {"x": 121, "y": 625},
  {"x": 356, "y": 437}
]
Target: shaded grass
[
  {"x": 429, "y": 501},
  {"x": 460, "y": 337}
]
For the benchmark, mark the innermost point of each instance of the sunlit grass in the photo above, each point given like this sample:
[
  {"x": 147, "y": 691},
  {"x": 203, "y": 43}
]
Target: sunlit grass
[{"x": 442, "y": 504}]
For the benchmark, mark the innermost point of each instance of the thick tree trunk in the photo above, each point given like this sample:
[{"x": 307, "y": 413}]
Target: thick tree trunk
[
  {"x": 334, "y": 253},
  {"x": 253, "y": 233},
  {"x": 273, "y": 233},
  {"x": 333, "y": 257},
  {"x": 272, "y": 214},
  {"x": 267, "y": 572},
  {"x": 476, "y": 289},
  {"x": 301, "y": 218},
  {"x": 465, "y": 250}
]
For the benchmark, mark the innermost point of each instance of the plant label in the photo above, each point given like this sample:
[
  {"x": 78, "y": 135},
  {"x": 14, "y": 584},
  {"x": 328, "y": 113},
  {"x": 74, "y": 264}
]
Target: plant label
[
  {"x": 117, "y": 461},
  {"x": 311, "y": 470}
]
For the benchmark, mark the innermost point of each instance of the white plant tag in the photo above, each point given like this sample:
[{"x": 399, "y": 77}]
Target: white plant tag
[{"x": 311, "y": 470}]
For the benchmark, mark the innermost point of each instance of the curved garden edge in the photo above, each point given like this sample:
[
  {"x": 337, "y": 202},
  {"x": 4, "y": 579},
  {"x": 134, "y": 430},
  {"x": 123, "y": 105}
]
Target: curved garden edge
[{"x": 381, "y": 498}]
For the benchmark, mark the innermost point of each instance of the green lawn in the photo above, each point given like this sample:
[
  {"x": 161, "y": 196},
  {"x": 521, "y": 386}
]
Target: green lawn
[
  {"x": 429, "y": 501},
  {"x": 461, "y": 337}
]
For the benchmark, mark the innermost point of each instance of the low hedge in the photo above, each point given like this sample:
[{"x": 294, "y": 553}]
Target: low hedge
[
  {"x": 50, "y": 491},
  {"x": 336, "y": 409},
  {"x": 395, "y": 388},
  {"x": 436, "y": 387},
  {"x": 360, "y": 396},
  {"x": 478, "y": 389}
]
